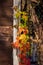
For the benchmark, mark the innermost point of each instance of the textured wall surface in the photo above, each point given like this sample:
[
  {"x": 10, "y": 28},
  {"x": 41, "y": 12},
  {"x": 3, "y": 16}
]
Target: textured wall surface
[
  {"x": 6, "y": 20},
  {"x": 6, "y": 12}
]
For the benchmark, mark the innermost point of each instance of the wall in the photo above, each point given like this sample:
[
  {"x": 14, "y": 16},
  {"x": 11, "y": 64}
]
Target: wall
[{"x": 6, "y": 21}]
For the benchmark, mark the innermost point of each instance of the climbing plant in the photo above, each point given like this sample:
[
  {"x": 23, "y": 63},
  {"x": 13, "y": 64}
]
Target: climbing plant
[
  {"x": 26, "y": 28},
  {"x": 22, "y": 41}
]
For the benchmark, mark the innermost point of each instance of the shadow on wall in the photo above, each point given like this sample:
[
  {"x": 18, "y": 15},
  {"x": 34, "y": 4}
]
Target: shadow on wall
[
  {"x": 5, "y": 54},
  {"x": 6, "y": 12}
]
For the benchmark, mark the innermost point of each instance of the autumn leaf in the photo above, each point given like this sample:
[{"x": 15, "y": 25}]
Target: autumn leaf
[{"x": 24, "y": 18}]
